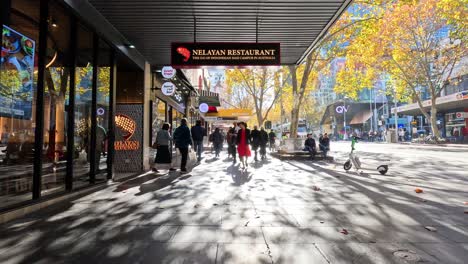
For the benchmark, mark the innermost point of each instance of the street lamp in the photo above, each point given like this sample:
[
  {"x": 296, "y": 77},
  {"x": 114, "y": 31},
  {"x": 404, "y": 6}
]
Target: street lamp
[{"x": 345, "y": 136}]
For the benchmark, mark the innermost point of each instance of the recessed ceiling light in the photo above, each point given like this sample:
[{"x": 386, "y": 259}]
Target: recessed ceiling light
[{"x": 131, "y": 46}]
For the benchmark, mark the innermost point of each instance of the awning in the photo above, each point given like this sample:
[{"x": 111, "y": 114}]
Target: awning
[
  {"x": 231, "y": 115},
  {"x": 361, "y": 117},
  {"x": 209, "y": 98},
  {"x": 151, "y": 26}
]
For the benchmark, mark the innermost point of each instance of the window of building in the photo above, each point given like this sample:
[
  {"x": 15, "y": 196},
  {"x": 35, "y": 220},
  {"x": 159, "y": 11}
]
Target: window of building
[
  {"x": 83, "y": 103},
  {"x": 18, "y": 86}
]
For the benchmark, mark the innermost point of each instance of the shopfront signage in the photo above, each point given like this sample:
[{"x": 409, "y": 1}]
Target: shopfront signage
[
  {"x": 342, "y": 109},
  {"x": 100, "y": 111},
  {"x": 168, "y": 88},
  {"x": 203, "y": 108},
  {"x": 168, "y": 72},
  {"x": 190, "y": 54},
  {"x": 127, "y": 127},
  {"x": 461, "y": 115}
]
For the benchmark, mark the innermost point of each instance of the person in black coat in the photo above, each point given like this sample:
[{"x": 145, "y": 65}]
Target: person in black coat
[
  {"x": 310, "y": 146},
  {"x": 255, "y": 139},
  {"x": 263, "y": 143},
  {"x": 183, "y": 139}
]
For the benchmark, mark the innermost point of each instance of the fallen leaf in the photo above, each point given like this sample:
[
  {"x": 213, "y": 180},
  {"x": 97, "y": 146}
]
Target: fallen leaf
[
  {"x": 322, "y": 222},
  {"x": 316, "y": 188},
  {"x": 430, "y": 228},
  {"x": 215, "y": 204},
  {"x": 417, "y": 190},
  {"x": 344, "y": 232}
]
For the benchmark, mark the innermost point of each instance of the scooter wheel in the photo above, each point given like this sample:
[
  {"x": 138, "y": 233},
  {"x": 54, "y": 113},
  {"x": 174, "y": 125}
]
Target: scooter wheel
[
  {"x": 348, "y": 165},
  {"x": 382, "y": 169}
]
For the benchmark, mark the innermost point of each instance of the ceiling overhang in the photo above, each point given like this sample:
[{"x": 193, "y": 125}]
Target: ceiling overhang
[{"x": 153, "y": 25}]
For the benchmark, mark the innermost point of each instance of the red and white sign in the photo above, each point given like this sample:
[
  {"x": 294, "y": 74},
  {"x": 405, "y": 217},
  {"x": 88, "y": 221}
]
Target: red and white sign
[
  {"x": 168, "y": 72},
  {"x": 461, "y": 115}
]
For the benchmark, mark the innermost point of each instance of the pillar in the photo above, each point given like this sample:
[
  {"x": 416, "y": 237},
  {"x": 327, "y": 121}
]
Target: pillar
[{"x": 146, "y": 117}]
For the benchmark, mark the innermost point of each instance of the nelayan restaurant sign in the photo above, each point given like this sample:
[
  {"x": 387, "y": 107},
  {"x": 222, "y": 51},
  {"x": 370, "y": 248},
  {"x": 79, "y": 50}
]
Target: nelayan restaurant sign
[{"x": 225, "y": 54}]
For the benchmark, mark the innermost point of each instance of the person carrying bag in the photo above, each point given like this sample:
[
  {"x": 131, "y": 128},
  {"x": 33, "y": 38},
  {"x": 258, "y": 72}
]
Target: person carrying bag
[{"x": 162, "y": 143}]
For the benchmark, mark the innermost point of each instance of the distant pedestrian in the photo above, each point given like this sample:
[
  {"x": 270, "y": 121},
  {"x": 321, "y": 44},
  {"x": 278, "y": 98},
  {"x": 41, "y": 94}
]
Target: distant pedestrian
[
  {"x": 218, "y": 140},
  {"x": 255, "y": 140},
  {"x": 183, "y": 140},
  {"x": 162, "y": 143},
  {"x": 263, "y": 143},
  {"x": 198, "y": 133},
  {"x": 243, "y": 141},
  {"x": 272, "y": 138},
  {"x": 232, "y": 141}
]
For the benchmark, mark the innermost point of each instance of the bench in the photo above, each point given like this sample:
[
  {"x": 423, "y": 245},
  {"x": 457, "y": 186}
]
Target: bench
[{"x": 299, "y": 155}]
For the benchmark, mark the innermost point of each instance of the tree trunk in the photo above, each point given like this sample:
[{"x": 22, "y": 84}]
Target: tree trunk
[
  {"x": 435, "y": 128},
  {"x": 294, "y": 122}
]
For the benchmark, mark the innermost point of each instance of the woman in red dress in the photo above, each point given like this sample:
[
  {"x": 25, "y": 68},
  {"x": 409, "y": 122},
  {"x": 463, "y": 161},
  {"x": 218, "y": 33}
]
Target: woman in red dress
[{"x": 243, "y": 141}]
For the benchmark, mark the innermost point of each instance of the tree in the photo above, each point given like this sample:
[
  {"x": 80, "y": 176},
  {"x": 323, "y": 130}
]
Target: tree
[
  {"x": 260, "y": 85},
  {"x": 403, "y": 41}
]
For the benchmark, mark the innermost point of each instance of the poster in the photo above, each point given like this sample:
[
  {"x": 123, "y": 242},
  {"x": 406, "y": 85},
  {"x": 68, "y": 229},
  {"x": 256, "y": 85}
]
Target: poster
[{"x": 16, "y": 74}]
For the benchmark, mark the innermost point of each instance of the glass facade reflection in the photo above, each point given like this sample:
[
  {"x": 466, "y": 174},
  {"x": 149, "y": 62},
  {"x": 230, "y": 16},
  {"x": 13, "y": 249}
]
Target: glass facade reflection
[{"x": 66, "y": 108}]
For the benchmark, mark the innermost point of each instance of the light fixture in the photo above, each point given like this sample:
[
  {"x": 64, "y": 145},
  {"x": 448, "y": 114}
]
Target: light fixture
[{"x": 131, "y": 46}]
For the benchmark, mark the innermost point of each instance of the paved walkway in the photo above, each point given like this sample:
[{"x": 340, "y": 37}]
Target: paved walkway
[{"x": 277, "y": 212}]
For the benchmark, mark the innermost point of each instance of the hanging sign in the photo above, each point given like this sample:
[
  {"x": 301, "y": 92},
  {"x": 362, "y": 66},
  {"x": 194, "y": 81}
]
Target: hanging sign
[
  {"x": 168, "y": 88},
  {"x": 229, "y": 54},
  {"x": 342, "y": 109},
  {"x": 203, "y": 108},
  {"x": 168, "y": 72}
]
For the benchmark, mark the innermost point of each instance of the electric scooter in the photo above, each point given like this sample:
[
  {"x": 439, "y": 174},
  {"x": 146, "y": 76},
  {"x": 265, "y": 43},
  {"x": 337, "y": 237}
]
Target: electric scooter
[{"x": 354, "y": 160}]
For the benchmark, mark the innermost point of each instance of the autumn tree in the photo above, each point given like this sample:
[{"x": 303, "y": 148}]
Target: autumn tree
[
  {"x": 403, "y": 41},
  {"x": 261, "y": 85}
]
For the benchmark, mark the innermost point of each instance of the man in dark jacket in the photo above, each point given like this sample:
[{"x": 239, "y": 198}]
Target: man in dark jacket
[
  {"x": 232, "y": 140},
  {"x": 263, "y": 143},
  {"x": 198, "y": 133},
  {"x": 324, "y": 143},
  {"x": 310, "y": 146},
  {"x": 255, "y": 139},
  {"x": 272, "y": 137},
  {"x": 183, "y": 140}
]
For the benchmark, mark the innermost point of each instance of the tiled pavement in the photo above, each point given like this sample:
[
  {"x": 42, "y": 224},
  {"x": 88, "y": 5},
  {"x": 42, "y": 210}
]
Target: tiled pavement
[{"x": 270, "y": 214}]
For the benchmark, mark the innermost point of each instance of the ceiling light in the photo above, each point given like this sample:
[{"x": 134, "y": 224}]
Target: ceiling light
[{"x": 131, "y": 46}]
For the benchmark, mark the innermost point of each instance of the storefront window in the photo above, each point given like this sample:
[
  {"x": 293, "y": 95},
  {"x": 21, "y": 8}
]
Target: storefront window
[
  {"x": 103, "y": 88},
  {"x": 18, "y": 86},
  {"x": 159, "y": 116},
  {"x": 454, "y": 127},
  {"x": 57, "y": 88},
  {"x": 83, "y": 102}
]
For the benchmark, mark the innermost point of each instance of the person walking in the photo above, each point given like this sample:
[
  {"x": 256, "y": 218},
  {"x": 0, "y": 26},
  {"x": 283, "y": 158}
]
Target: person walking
[
  {"x": 218, "y": 140},
  {"x": 162, "y": 143},
  {"x": 232, "y": 141},
  {"x": 198, "y": 133},
  {"x": 272, "y": 138},
  {"x": 183, "y": 140},
  {"x": 243, "y": 141},
  {"x": 263, "y": 143},
  {"x": 255, "y": 139}
]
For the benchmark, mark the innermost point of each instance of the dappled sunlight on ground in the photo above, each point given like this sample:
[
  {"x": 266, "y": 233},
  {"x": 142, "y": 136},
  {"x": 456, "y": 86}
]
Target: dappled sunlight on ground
[{"x": 275, "y": 212}]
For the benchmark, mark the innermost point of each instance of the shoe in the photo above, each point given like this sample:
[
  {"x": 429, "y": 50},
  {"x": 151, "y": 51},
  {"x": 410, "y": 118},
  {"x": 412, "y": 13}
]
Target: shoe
[
  {"x": 172, "y": 169},
  {"x": 154, "y": 170},
  {"x": 183, "y": 170}
]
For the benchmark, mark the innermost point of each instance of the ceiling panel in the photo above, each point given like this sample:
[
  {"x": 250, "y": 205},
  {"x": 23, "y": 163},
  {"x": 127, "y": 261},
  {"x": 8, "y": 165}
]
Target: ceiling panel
[{"x": 152, "y": 25}]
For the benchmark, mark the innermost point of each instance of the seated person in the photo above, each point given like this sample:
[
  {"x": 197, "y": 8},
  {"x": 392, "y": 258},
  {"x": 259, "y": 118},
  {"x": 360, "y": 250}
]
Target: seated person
[
  {"x": 309, "y": 145},
  {"x": 324, "y": 143}
]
